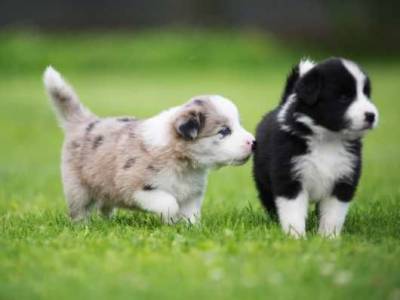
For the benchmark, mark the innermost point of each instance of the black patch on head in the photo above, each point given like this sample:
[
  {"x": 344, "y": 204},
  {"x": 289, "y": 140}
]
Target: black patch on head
[
  {"x": 148, "y": 187},
  {"x": 91, "y": 125},
  {"x": 98, "y": 141},
  {"x": 125, "y": 119},
  {"x": 308, "y": 88},
  {"x": 190, "y": 126},
  {"x": 129, "y": 163},
  {"x": 325, "y": 93}
]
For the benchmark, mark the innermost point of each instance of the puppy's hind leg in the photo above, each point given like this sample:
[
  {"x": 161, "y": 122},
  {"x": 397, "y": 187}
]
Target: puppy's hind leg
[
  {"x": 106, "y": 210},
  {"x": 267, "y": 197},
  {"x": 77, "y": 196}
]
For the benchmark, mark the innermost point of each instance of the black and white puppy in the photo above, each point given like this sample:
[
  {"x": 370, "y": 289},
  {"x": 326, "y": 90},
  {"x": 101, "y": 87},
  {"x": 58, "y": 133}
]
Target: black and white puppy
[{"x": 309, "y": 147}]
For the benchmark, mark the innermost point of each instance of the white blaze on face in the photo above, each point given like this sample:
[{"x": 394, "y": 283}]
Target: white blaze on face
[{"x": 362, "y": 105}]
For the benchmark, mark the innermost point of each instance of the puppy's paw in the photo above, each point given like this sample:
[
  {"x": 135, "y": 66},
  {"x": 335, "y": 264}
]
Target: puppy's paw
[
  {"x": 329, "y": 230},
  {"x": 296, "y": 232}
]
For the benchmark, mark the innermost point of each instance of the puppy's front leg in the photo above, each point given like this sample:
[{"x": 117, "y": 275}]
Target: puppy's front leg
[
  {"x": 191, "y": 210},
  {"x": 159, "y": 202},
  {"x": 293, "y": 213},
  {"x": 332, "y": 216}
]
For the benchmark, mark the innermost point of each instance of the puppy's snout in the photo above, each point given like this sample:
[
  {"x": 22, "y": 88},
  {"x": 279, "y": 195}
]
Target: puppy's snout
[
  {"x": 370, "y": 117},
  {"x": 251, "y": 144}
]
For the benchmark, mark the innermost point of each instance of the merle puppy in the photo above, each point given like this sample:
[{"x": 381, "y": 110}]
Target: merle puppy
[
  {"x": 309, "y": 147},
  {"x": 158, "y": 164}
]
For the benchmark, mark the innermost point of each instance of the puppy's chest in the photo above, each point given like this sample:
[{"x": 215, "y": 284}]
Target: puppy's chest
[
  {"x": 322, "y": 166},
  {"x": 183, "y": 186}
]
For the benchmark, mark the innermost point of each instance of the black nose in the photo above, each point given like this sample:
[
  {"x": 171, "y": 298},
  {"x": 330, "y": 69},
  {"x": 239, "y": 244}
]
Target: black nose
[
  {"x": 370, "y": 117},
  {"x": 253, "y": 145}
]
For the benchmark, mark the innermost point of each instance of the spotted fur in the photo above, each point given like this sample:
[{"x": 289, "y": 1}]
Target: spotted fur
[{"x": 159, "y": 164}]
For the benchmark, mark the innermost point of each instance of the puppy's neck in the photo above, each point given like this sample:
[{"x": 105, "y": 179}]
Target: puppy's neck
[
  {"x": 157, "y": 131},
  {"x": 288, "y": 119}
]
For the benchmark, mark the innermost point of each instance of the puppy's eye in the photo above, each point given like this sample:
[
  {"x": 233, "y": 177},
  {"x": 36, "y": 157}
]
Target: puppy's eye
[
  {"x": 225, "y": 131},
  {"x": 344, "y": 99}
]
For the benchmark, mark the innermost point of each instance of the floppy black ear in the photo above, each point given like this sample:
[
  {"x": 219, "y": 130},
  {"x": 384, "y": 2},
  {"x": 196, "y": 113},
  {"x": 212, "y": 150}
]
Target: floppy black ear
[
  {"x": 308, "y": 88},
  {"x": 189, "y": 125}
]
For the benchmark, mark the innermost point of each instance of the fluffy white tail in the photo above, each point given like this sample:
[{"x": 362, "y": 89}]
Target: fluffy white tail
[{"x": 65, "y": 101}]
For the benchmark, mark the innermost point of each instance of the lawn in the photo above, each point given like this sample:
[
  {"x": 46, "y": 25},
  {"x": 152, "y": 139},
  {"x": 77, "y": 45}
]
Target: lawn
[{"x": 237, "y": 252}]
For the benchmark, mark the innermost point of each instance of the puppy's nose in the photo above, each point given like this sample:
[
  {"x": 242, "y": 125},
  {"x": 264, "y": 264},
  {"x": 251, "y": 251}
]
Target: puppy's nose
[
  {"x": 254, "y": 145},
  {"x": 251, "y": 144},
  {"x": 369, "y": 117}
]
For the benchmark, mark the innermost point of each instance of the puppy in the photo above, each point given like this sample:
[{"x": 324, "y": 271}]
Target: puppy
[
  {"x": 158, "y": 164},
  {"x": 309, "y": 147}
]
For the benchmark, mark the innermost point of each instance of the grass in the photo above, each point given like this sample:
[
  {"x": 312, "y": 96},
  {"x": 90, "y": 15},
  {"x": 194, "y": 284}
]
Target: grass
[{"x": 236, "y": 252}]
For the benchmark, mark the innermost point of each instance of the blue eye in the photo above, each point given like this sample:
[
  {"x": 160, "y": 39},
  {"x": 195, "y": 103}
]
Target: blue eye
[{"x": 225, "y": 131}]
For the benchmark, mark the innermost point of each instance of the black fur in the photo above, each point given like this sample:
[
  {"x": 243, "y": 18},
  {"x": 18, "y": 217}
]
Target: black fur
[
  {"x": 323, "y": 94},
  {"x": 190, "y": 128},
  {"x": 98, "y": 141},
  {"x": 129, "y": 163},
  {"x": 91, "y": 125},
  {"x": 148, "y": 187},
  {"x": 127, "y": 119}
]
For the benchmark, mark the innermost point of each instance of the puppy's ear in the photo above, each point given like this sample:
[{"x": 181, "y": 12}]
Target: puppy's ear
[
  {"x": 308, "y": 88},
  {"x": 189, "y": 124}
]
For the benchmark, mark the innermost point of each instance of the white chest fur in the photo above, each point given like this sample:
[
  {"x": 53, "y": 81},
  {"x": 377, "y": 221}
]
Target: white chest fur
[
  {"x": 327, "y": 161},
  {"x": 183, "y": 186}
]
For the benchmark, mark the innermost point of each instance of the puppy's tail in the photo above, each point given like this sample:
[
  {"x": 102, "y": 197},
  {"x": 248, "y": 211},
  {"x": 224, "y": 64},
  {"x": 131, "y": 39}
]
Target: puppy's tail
[{"x": 65, "y": 101}]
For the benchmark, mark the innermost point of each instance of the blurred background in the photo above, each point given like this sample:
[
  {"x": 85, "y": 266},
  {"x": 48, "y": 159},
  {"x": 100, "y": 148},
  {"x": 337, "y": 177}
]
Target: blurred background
[
  {"x": 357, "y": 28},
  {"x": 368, "y": 25},
  {"x": 140, "y": 57}
]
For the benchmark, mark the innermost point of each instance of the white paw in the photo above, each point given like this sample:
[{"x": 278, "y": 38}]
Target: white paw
[
  {"x": 169, "y": 214},
  {"x": 297, "y": 232},
  {"x": 329, "y": 230}
]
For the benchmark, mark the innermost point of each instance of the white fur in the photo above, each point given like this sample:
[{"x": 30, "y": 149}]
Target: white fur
[
  {"x": 57, "y": 88},
  {"x": 191, "y": 210},
  {"x": 292, "y": 214},
  {"x": 327, "y": 161},
  {"x": 305, "y": 66},
  {"x": 285, "y": 107},
  {"x": 155, "y": 131},
  {"x": 158, "y": 201},
  {"x": 188, "y": 188},
  {"x": 356, "y": 111},
  {"x": 332, "y": 216},
  {"x": 52, "y": 79}
]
